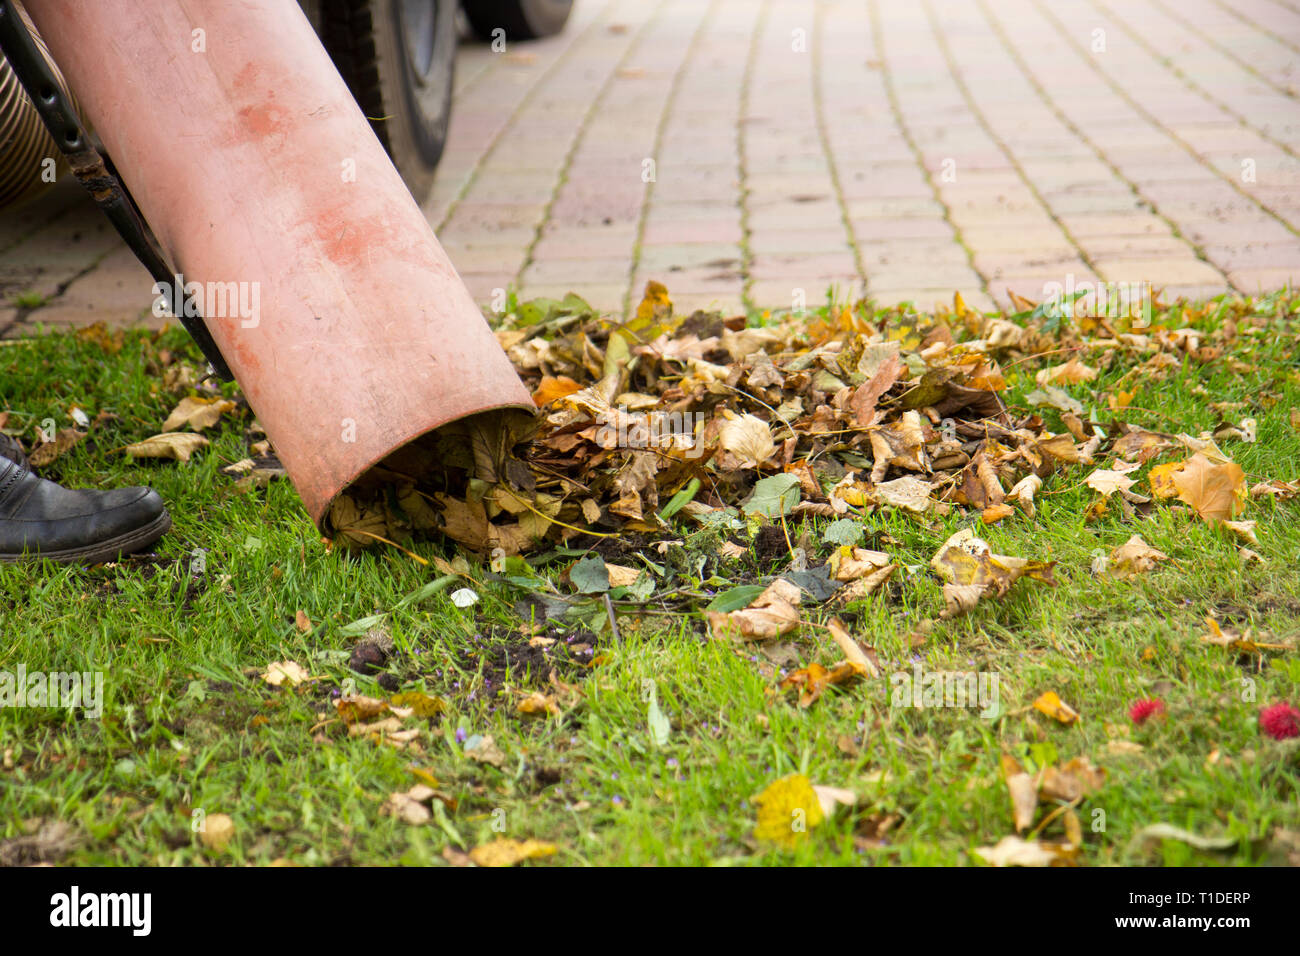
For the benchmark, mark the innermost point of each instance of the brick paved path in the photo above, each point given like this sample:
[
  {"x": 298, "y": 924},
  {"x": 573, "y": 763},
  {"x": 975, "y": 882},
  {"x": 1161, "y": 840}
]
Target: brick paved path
[{"x": 752, "y": 151}]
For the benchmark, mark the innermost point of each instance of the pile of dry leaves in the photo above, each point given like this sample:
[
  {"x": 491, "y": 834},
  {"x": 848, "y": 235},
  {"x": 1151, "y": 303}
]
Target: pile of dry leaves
[{"x": 702, "y": 415}]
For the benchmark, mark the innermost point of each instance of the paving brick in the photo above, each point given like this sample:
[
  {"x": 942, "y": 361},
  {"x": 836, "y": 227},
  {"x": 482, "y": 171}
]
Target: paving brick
[
  {"x": 689, "y": 256},
  {"x": 1180, "y": 271},
  {"x": 574, "y": 271},
  {"x": 1130, "y": 160}
]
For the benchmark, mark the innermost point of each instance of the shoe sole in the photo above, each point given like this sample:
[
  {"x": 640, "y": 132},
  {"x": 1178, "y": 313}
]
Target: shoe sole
[{"x": 103, "y": 551}]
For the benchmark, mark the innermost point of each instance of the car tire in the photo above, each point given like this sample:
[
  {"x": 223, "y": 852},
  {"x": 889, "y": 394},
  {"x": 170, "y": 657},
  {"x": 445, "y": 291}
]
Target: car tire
[
  {"x": 398, "y": 59},
  {"x": 520, "y": 19}
]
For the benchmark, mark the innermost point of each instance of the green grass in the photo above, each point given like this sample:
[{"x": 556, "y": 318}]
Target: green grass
[
  {"x": 189, "y": 725},
  {"x": 29, "y": 300}
]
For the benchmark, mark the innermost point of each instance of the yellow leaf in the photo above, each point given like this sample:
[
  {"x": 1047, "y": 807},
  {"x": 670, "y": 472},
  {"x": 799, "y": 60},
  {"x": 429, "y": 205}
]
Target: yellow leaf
[
  {"x": 995, "y": 513},
  {"x": 538, "y": 704},
  {"x": 1243, "y": 529},
  {"x": 965, "y": 561},
  {"x": 507, "y": 852},
  {"x": 1051, "y": 704},
  {"x": 1215, "y": 491},
  {"x": 422, "y": 705},
  {"x": 1161, "y": 479},
  {"x": 552, "y": 389},
  {"x": 655, "y": 304},
  {"x": 812, "y": 681},
  {"x": 849, "y": 563},
  {"x": 621, "y": 576}
]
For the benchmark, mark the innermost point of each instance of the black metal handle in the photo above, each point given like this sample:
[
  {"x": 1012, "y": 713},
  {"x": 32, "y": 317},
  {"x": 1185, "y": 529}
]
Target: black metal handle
[{"x": 92, "y": 170}]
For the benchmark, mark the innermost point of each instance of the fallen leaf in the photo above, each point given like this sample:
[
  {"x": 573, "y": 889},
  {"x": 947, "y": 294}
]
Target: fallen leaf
[
  {"x": 850, "y": 563},
  {"x": 911, "y": 494},
  {"x": 1014, "y": 851},
  {"x": 748, "y": 438},
  {"x": 1050, "y": 703},
  {"x": 355, "y": 708},
  {"x": 550, "y": 389},
  {"x": 1071, "y": 373},
  {"x": 1022, "y": 493},
  {"x": 1244, "y": 530},
  {"x": 959, "y": 599},
  {"x": 1108, "y": 482},
  {"x": 46, "y": 453},
  {"x": 1074, "y": 780},
  {"x": 811, "y": 681},
  {"x": 966, "y": 561},
  {"x": 538, "y": 704},
  {"x": 420, "y": 704},
  {"x": 410, "y": 806},
  {"x": 1238, "y": 642},
  {"x": 1134, "y": 557},
  {"x": 853, "y": 651},
  {"x": 773, "y": 613},
  {"x": 1216, "y": 491},
  {"x": 285, "y": 672},
  {"x": 995, "y": 513},
  {"x": 484, "y": 750},
  {"x": 176, "y": 445},
  {"x": 832, "y": 798},
  {"x": 504, "y": 851},
  {"x": 198, "y": 413},
  {"x": 1022, "y": 790},
  {"x": 216, "y": 831}
]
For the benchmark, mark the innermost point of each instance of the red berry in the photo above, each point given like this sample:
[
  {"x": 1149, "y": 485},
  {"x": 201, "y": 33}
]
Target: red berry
[
  {"x": 1143, "y": 710},
  {"x": 1280, "y": 721}
]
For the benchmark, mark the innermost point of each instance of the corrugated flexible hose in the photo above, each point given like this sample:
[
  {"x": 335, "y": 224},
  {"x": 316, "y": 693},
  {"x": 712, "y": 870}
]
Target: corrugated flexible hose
[{"x": 25, "y": 144}]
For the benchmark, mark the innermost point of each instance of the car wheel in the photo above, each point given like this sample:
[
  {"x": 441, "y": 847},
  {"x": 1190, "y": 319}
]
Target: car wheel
[
  {"x": 521, "y": 19},
  {"x": 398, "y": 58}
]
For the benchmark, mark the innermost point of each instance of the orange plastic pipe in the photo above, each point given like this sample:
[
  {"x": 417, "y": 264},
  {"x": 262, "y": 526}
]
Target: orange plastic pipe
[{"x": 353, "y": 334}]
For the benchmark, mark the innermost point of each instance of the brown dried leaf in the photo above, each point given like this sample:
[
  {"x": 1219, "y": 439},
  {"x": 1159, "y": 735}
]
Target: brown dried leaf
[
  {"x": 176, "y": 445},
  {"x": 1134, "y": 557},
  {"x": 1216, "y": 491},
  {"x": 198, "y": 413},
  {"x": 771, "y": 614}
]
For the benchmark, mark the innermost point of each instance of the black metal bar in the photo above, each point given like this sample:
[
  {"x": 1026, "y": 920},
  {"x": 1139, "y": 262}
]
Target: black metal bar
[{"x": 92, "y": 170}]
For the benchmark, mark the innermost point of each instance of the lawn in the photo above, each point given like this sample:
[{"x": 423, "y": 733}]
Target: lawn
[{"x": 650, "y": 741}]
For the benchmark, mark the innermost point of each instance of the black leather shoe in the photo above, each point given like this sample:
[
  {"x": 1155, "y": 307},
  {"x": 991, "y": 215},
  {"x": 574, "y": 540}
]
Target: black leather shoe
[{"x": 39, "y": 519}]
